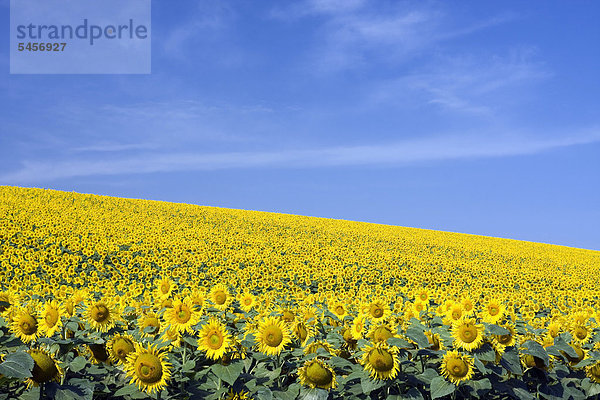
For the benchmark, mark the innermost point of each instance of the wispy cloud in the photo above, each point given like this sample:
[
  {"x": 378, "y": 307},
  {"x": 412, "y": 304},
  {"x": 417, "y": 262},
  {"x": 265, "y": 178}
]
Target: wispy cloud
[
  {"x": 438, "y": 148},
  {"x": 465, "y": 84}
]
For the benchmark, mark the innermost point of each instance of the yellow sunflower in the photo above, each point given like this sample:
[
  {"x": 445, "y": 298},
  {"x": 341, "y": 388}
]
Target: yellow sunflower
[
  {"x": 25, "y": 325},
  {"x": 220, "y": 296},
  {"x": 45, "y": 368},
  {"x": 381, "y": 361},
  {"x": 378, "y": 310},
  {"x": 214, "y": 339},
  {"x": 247, "y": 301},
  {"x": 272, "y": 336},
  {"x": 50, "y": 318},
  {"x": 380, "y": 332},
  {"x": 164, "y": 287},
  {"x": 148, "y": 369},
  {"x": 339, "y": 309},
  {"x": 181, "y": 316},
  {"x": 435, "y": 342},
  {"x": 593, "y": 372},
  {"x": 358, "y": 327},
  {"x": 101, "y": 315},
  {"x": 317, "y": 374},
  {"x": 508, "y": 339},
  {"x": 493, "y": 312},
  {"x": 456, "y": 368},
  {"x": 319, "y": 344},
  {"x": 581, "y": 334},
  {"x": 149, "y": 324},
  {"x": 302, "y": 332},
  {"x": 119, "y": 346},
  {"x": 467, "y": 334}
]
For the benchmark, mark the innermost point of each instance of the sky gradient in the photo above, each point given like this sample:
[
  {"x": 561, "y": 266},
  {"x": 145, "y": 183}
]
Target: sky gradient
[{"x": 475, "y": 117}]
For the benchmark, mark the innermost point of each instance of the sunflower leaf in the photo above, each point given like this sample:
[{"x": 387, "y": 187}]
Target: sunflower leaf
[
  {"x": 496, "y": 330},
  {"x": 415, "y": 332},
  {"x": 228, "y": 373},
  {"x": 440, "y": 387},
  {"x": 510, "y": 361},
  {"x": 535, "y": 349},
  {"x": 561, "y": 345},
  {"x": 368, "y": 385},
  {"x": 77, "y": 364},
  {"x": 17, "y": 365}
]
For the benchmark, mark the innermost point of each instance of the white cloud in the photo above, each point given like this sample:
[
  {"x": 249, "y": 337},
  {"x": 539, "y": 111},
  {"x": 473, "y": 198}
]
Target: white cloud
[{"x": 439, "y": 148}]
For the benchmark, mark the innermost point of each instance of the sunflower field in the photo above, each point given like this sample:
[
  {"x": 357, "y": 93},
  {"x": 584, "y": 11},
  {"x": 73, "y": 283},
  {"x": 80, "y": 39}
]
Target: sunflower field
[{"x": 110, "y": 298}]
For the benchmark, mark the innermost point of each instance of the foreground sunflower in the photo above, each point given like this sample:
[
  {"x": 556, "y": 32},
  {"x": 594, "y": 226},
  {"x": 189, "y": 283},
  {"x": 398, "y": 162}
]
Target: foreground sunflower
[
  {"x": 119, "y": 347},
  {"x": 148, "y": 369},
  {"x": 101, "y": 315},
  {"x": 181, "y": 316},
  {"x": 467, "y": 334},
  {"x": 316, "y": 374},
  {"x": 593, "y": 372},
  {"x": 493, "y": 312},
  {"x": 272, "y": 336},
  {"x": 456, "y": 368},
  {"x": 214, "y": 339},
  {"x": 220, "y": 296},
  {"x": 45, "y": 368},
  {"x": 50, "y": 321},
  {"x": 381, "y": 361},
  {"x": 25, "y": 325}
]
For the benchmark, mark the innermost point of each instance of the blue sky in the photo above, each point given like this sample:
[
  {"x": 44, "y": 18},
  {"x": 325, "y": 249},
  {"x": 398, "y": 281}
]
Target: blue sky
[{"x": 474, "y": 117}]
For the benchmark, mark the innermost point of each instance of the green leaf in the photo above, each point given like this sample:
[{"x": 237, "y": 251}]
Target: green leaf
[
  {"x": 77, "y": 364},
  {"x": 290, "y": 394},
  {"x": 125, "y": 390},
  {"x": 415, "y": 332},
  {"x": 428, "y": 375},
  {"x": 17, "y": 365},
  {"x": 368, "y": 385},
  {"x": 264, "y": 393},
  {"x": 316, "y": 394},
  {"x": 228, "y": 373},
  {"x": 510, "y": 360},
  {"x": 523, "y": 394},
  {"x": 496, "y": 330},
  {"x": 340, "y": 362},
  {"x": 440, "y": 387},
  {"x": 535, "y": 349},
  {"x": 189, "y": 366},
  {"x": 593, "y": 390},
  {"x": 399, "y": 342},
  {"x": 412, "y": 394},
  {"x": 561, "y": 345},
  {"x": 485, "y": 353}
]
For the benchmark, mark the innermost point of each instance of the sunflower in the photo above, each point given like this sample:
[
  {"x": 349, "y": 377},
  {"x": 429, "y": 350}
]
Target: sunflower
[
  {"x": 148, "y": 368},
  {"x": 25, "y": 325},
  {"x": 338, "y": 309},
  {"x": 149, "y": 324},
  {"x": 593, "y": 372},
  {"x": 220, "y": 296},
  {"x": 454, "y": 314},
  {"x": 272, "y": 336},
  {"x": 380, "y": 332},
  {"x": 214, "y": 339},
  {"x": 247, "y": 301},
  {"x": 319, "y": 344},
  {"x": 45, "y": 368},
  {"x": 381, "y": 361},
  {"x": 581, "y": 334},
  {"x": 198, "y": 297},
  {"x": 378, "y": 310},
  {"x": 467, "y": 335},
  {"x": 50, "y": 320},
  {"x": 456, "y": 368},
  {"x": 317, "y": 374},
  {"x": 172, "y": 338},
  {"x": 101, "y": 315},
  {"x": 241, "y": 395},
  {"x": 508, "y": 339},
  {"x": 164, "y": 287},
  {"x": 119, "y": 347},
  {"x": 98, "y": 353},
  {"x": 302, "y": 332},
  {"x": 435, "y": 342},
  {"x": 181, "y": 316},
  {"x": 287, "y": 315},
  {"x": 467, "y": 305},
  {"x": 493, "y": 312},
  {"x": 554, "y": 328},
  {"x": 358, "y": 327}
]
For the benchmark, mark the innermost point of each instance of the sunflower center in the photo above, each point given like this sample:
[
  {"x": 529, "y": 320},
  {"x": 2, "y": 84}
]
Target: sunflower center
[
  {"x": 339, "y": 310},
  {"x": 153, "y": 322},
  {"x": 220, "y": 297},
  {"x": 215, "y": 340},
  {"x": 580, "y": 333},
  {"x": 122, "y": 347},
  {"x": 28, "y": 325},
  {"x": 457, "y": 367},
  {"x": 44, "y": 368},
  {"x": 494, "y": 310},
  {"x": 288, "y": 316},
  {"x": 456, "y": 315},
  {"x": 381, "y": 360},
  {"x": 99, "y": 352},
  {"x": 382, "y": 334},
  {"x": 468, "y": 333},
  {"x": 273, "y": 336},
  {"x": 376, "y": 311},
  {"x": 164, "y": 288},
  {"x": 148, "y": 368},
  {"x": 318, "y": 374},
  {"x": 504, "y": 339},
  {"x": 301, "y": 331},
  {"x": 51, "y": 317},
  {"x": 247, "y": 301},
  {"x": 184, "y": 315},
  {"x": 100, "y": 313}
]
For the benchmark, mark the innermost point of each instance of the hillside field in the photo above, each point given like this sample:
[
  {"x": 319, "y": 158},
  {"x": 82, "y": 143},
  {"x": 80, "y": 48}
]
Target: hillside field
[{"x": 104, "y": 297}]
